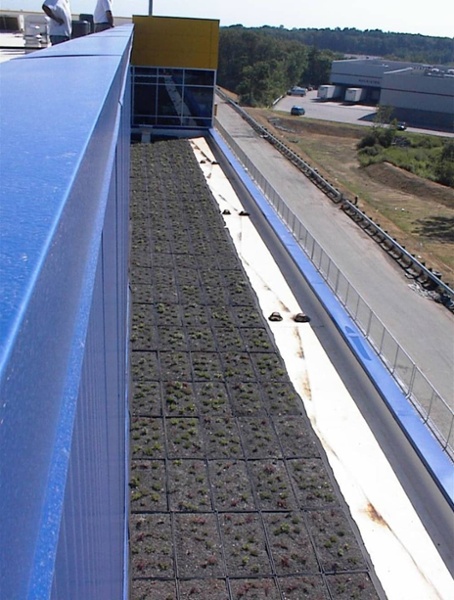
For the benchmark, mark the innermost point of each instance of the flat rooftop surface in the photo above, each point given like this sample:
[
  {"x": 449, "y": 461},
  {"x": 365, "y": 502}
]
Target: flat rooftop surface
[{"x": 231, "y": 495}]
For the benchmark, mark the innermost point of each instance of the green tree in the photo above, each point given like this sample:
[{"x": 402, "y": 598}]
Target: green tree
[
  {"x": 383, "y": 114},
  {"x": 258, "y": 66},
  {"x": 255, "y": 87},
  {"x": 445, "y": 166},
  {"x": 318, "y": 67},
  {"x": 296, "y": 64}
]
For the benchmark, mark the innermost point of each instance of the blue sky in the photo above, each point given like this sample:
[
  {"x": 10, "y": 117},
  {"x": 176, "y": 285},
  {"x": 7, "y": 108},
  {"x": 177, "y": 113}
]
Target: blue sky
[{"x": 408, "y": 16}]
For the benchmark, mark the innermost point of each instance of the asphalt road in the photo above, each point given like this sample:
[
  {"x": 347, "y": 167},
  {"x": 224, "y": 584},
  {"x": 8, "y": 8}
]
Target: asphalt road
[{"x": 423, "y": 328}]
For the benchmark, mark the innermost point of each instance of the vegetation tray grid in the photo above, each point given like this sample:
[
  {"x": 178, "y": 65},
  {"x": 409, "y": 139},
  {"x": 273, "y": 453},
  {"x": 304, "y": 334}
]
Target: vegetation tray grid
[{"x": 231, "y": 497}]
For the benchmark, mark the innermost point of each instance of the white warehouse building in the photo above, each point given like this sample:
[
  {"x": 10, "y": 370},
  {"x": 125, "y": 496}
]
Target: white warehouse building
[{"x": 419, "y": 94}]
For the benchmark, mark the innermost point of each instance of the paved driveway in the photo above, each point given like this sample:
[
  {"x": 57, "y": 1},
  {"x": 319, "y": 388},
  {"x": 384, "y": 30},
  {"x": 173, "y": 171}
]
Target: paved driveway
[{"x": 328, "y": 111}]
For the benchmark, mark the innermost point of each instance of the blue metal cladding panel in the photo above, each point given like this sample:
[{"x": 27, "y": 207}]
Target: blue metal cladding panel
[
  {"x": 60, "y": 170},
  {"x": 95, "y": 503},
  {"x": 99, "y": 455}
]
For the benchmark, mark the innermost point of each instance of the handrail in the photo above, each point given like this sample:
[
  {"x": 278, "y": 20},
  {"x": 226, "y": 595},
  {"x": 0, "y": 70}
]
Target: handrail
[
  {"x": 64, "y": 166},
  {"x": 426, "y": 277},
  {"x": 416, "y": 387}
]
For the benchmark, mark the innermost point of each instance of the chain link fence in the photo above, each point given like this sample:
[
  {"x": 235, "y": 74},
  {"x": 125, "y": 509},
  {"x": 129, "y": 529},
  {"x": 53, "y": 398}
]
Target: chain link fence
[{"x": 433, "y": 409}]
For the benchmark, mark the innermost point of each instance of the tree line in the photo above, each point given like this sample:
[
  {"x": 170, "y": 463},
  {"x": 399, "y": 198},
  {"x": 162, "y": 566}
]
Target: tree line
[
  {"x": 259, "y": 64},
  {"x": 373, "y": 42},
  {"x": 260, "y": 67}
]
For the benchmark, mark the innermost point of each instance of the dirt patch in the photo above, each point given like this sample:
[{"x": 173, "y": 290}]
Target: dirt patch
[{"x": 391, "y": 176}]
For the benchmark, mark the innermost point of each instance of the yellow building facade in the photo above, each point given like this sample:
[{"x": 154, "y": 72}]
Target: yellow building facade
[
  {"x": 175, "y": 42},
  {"x": 174, "y": 63}
]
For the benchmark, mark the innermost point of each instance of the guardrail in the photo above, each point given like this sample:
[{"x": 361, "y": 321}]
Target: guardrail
[
  {"x": 415, "y": 386},
  {"x": 426, "y": 277},
  {"x": 64, "y": 167}
]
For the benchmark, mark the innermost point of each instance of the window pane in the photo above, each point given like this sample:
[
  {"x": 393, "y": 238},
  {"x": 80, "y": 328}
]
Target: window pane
[
  {"x": 144, "y": 99},
  {"x": 199, "y": 77},
  {"x": 199, "y": 101},
  {"x": 175, "y": 74},
  {"x": 160, "y": 98}
]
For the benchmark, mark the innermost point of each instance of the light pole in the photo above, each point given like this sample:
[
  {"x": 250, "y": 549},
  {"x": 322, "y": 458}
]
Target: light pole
[{"x": 150, "y": 7}]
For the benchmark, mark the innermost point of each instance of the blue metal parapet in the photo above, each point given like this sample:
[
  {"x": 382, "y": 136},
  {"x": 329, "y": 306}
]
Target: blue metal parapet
[{"x": 64, "y": 196}]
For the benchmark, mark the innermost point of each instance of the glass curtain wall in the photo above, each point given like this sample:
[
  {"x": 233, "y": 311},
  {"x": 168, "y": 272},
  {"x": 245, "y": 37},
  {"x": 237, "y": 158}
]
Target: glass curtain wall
[{"x": 168, "y": 97}]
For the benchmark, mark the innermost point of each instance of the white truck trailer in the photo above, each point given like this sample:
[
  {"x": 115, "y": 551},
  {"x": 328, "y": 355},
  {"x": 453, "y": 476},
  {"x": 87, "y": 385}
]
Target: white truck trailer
[
  {"x": 354, "y": 95},
  {"x": 329, "y": 92}
]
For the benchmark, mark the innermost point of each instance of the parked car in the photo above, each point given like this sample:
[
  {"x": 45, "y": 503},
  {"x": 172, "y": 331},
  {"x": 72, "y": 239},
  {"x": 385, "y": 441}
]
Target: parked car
[
  {"x": 297, "y": 111},
  {"x": 297, "y": 91}
]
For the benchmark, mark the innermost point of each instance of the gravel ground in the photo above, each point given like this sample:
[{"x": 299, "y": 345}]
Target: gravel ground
[{"x": 230, "y": 494}]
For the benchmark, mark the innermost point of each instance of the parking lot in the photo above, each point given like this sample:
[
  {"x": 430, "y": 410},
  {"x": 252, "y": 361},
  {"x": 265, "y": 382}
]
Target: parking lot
[
  {"x": 337, "y": 111},
  {"x": 328, "y": 111}
]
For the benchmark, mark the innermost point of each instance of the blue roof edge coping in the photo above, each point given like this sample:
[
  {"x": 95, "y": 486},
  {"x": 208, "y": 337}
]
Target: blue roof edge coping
[
  {"x": 55, "y": 163},
  {"x": 104, "y": 43}
]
